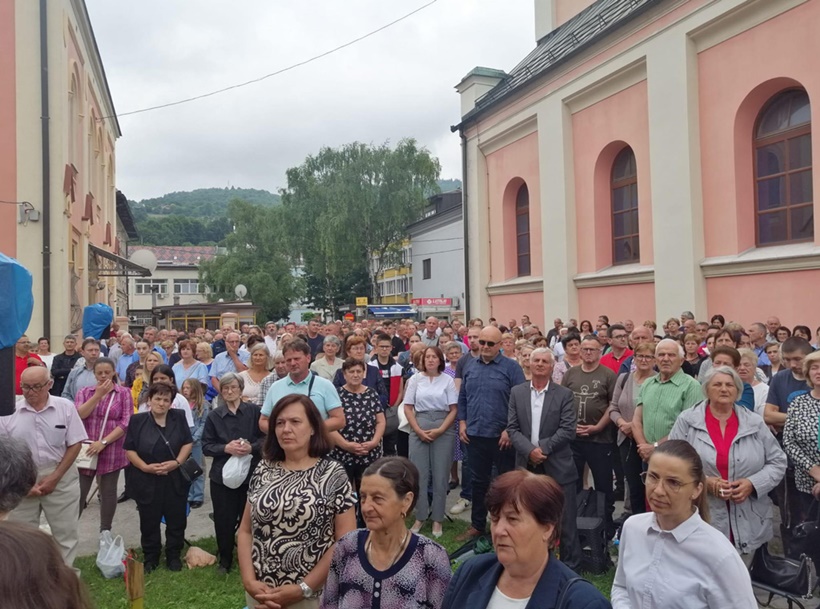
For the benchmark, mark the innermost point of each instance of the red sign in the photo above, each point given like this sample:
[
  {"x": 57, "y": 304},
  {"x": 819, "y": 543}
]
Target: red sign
[
  {"x": 433, "y": 302},
  {"x": 350, "y": 317}
]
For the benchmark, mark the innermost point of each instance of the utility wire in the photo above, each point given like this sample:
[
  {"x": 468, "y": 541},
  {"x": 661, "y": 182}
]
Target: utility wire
[{"x": 282, "y": 71}]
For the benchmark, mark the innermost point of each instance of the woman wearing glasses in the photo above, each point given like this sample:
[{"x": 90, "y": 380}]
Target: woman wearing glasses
[
  {"x": 742, "y": 459},
  {"x": 668, "y": 556}
]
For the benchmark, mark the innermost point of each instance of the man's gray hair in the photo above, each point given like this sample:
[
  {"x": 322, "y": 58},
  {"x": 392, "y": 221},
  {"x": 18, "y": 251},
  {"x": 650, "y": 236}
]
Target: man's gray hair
[
  {"x": 543, "y": 351},
  {"x": 688, "y": 315},
  {"x": 670, "y": 341},
  {"x": 230, "y": 377},
  {"x": 18, "y": 473},
  {"x": 70, "y": 337},
  {"x": 713, "y": 372}
]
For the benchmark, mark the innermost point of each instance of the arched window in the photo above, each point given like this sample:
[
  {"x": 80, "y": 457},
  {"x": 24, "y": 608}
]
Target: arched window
[
  {"x": 783, "y": 186},
  {"x": 626, "y": 247},
  {"x": 522, "y": 230}
]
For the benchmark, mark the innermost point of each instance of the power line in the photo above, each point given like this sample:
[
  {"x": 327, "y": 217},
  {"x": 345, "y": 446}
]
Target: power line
[{"x": 282, "y": 71}]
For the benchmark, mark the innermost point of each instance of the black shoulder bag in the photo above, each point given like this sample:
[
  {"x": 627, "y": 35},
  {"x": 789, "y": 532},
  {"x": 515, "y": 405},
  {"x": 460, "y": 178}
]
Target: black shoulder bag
[
  {"x": 793, "y": 576},
  {"x": 190, "y": 470}
]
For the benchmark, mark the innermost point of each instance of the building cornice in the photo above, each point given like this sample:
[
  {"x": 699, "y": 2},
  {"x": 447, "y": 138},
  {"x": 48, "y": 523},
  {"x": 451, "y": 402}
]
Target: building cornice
[
  {"x": 774, "y": 259},
  {"x": 627, "y": 274},
  {"x": 520, "y": 285}
]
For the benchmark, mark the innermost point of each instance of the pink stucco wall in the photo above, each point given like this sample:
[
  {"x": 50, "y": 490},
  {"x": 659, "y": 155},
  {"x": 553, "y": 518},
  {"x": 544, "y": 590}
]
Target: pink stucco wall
[
  {"x": 737, "y": 78},
  {"x": 513, "y": 306},
  {"x": 507, "y": 169},
  {"x": 635, "y": 302},
  {"x": 599, "y": 133},
  {"x": 8, "y": 130},
  {"x": 751, "y": 298}
]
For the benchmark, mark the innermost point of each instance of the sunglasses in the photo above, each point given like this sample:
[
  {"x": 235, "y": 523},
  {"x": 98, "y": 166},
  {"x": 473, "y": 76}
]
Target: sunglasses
[{"x": 487, "y": 343}]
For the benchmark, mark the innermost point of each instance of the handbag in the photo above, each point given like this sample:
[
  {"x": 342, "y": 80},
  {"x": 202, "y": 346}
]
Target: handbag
[
  {"x": 84, "y": 460},
  {"x": 806, "y": 536},
  {"x": 190, "y": 470},
  {"x": 793, "y": 576}
]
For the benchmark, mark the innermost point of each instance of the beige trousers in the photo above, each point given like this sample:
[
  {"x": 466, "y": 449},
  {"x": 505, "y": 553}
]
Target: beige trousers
[
  {"x": 62, "y": 511},
  {"x": 308, "y": 603}
]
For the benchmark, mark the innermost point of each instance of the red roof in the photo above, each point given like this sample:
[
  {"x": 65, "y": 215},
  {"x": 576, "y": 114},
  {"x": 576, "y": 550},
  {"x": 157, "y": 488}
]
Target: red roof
[{"x": 181, "y": 254}]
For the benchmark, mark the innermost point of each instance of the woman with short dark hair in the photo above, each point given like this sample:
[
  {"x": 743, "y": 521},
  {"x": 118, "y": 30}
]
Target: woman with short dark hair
[
  {"x": 385, "y": 562},
  {"x": 525, "y": 514},
  {"x": 299, "y": 504}
]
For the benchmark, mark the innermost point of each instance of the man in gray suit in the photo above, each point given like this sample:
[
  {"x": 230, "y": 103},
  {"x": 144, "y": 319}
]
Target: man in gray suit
[{"x": 541, "y": 424}]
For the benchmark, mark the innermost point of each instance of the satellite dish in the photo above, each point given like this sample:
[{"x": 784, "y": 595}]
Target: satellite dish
[
  {"x": 241, "y": 291},
  {"x": 145, "y": 258}
]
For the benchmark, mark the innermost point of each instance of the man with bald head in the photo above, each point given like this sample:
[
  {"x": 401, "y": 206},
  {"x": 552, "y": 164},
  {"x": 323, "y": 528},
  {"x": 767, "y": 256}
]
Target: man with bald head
[
  {"x": 54, "y": 432},
  {"x": 230, "y": 360},
  {"x": 431, "y": 332},
  {"x": 639, "y": 335},
  {"x": 483, "y": 403}
]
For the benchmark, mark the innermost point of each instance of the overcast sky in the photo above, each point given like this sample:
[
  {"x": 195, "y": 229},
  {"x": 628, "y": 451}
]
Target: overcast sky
[{"x": 397, "y": 83}]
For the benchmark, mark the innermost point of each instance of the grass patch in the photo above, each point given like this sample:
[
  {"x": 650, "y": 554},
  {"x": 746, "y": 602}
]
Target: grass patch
[{"x": 204, "y": 588}]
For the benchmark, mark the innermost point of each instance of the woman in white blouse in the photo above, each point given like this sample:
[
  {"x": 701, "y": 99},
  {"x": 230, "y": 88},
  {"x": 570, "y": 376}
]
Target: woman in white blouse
[
  {"x": 256, "y": 373},
  {"x": 430, "y": 404},
  {"x": 671, "y": 557}
]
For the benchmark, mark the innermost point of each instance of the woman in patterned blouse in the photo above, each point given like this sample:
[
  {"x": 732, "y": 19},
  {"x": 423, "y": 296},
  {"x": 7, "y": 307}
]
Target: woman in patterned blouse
[
  {"x": 107, "y": 435},
  {"x": 385, "y": 566},
  {"x": 800, "y": 435},
  {"x": 359, "y": 443},
  {"x": 299, "y": 504}
]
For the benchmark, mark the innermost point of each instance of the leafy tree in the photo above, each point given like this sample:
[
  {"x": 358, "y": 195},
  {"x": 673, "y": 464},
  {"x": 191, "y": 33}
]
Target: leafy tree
[
  {"x": 257, "y": 258},
  {"x": 346, "y": 206}
]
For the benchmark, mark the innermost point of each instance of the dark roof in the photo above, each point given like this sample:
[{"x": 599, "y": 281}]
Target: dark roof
[
  {"x": 182, "y": 255},
  {"x": 126, "y": 217},
  {"x": 590, "y": 25}
]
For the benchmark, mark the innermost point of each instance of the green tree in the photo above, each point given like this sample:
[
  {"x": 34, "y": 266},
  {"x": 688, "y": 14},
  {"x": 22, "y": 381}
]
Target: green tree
[
  {"x": 257, "y": 257},
  {"x": 346, "y": 206}
]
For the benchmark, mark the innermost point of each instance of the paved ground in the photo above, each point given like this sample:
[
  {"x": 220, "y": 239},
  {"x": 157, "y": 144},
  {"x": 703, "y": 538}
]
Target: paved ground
[{"x": 126, "y": 523}]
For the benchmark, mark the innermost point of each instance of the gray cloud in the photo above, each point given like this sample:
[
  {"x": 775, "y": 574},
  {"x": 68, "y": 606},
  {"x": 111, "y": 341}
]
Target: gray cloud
[{"x": 398, "y": 83}]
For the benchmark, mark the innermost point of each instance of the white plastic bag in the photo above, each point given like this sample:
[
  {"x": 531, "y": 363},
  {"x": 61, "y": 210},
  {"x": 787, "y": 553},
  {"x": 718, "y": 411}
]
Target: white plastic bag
[
  {"x": 404, "y": 424},
  {"x": 111, "y": 555},
  {"x": 236, "y": 470}
]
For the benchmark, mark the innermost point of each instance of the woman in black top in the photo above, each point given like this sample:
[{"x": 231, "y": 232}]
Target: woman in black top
[
  {"x": 231, "y": 429},
  {"x": 157, "y": 443}
]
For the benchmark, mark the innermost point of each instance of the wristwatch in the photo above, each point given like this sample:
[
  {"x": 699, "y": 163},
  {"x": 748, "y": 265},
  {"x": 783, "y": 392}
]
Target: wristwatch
[
  {"x": 104, "y": 442},
  {"x": 307, "y": 591}
]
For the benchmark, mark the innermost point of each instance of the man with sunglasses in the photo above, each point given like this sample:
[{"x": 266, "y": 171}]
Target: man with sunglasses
[{"x": 483, "y": 402}]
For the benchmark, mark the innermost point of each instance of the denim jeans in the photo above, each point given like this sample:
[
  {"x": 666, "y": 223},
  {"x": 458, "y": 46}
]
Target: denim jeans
[
  {"x": 466, "y": 474},
  {"x": 484, "y": 455},
  {"x": 197, "y": 491}
]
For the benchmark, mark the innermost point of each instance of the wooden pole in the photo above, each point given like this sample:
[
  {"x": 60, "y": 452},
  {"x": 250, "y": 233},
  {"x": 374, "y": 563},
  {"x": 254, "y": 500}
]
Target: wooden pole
[{"x": 134, "y": 582}]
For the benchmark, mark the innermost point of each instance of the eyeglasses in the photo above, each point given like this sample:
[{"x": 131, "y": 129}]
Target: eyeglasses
[
  {"x": 618, "y": 336},
  {"x": 230, "y": 388},
  {"x": 487, "y": 343},
  {"x": 651, "y": 480},
  {"x": 645, "y": 358},
  {"x": 37, "y": 387}
]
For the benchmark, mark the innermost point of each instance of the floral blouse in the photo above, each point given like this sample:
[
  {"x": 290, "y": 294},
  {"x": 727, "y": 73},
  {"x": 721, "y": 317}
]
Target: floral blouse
[
  {"x": 800, "y": 439},
  {"x": 360, "y": 425},
  {"x": 293, "y": 517}
]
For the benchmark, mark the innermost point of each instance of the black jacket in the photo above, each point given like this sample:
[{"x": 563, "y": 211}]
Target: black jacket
[
  {"x": 61, "y": 365},
  {"x": 222, "y": 427},
  {"x": 143, "y": 437}
]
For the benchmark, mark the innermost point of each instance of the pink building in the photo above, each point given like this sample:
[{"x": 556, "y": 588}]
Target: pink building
[
  {"x": 647, "y": 157},
  {"x": 57, "y": 154}
]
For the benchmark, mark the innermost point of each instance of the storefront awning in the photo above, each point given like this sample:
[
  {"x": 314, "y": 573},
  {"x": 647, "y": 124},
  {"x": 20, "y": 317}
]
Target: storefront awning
[
  {"x": 111, "y": 265},
  {"x": 392, "y": 311}
]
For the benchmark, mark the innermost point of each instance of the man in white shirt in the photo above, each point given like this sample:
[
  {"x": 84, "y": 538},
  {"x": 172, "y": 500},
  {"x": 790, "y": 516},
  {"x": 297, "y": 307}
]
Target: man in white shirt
[
  {"x": 541, "y": 424},
  {"x": 431, "y": 332},
  {"x": 53, "y": 431}
]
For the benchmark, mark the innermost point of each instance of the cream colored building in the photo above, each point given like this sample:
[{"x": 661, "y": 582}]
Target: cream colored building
[{"x": 58, "y": 132}]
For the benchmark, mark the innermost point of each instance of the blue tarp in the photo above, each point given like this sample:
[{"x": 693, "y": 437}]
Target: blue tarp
[
  {"x": 97, "y": 318},
  {"x": 16, "y": 301},
  {"x": 392, "y": 311}
]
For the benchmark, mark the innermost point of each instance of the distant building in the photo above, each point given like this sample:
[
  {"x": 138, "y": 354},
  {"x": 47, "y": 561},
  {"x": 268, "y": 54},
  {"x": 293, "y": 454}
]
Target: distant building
[
  {"x": 437, "y": 246},
  {"x": 648, "y": 157},
  {"x": 62, "y": 218},
  {"x": 395, "y": 281}
]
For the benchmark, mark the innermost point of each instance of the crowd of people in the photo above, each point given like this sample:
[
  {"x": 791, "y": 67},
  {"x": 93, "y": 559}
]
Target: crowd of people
[{"x": 324, "y": 439}]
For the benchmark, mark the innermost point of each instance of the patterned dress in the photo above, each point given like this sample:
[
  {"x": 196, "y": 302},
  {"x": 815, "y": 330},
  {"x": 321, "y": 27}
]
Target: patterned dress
[
  {"x": 292, "y": 517},
  {"x": 458, "y": 454},
  {"x": 360, "y": 425},
  {"x": 800, "y": 439},
  {"x": 418, "y": 579}
]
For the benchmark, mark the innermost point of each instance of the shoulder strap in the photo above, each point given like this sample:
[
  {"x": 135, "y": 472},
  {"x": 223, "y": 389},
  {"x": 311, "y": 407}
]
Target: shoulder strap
[
  {"x": 563, "y": 599},
  {"x": 310, "y": 384},
  {"x": 107, "y": 412},
  {"x": 625, "y": 378},
  {"x": 162, "y": 435}
]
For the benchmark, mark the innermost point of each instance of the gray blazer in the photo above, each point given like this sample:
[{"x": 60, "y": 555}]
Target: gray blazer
[{"x": 558, "y": 422}]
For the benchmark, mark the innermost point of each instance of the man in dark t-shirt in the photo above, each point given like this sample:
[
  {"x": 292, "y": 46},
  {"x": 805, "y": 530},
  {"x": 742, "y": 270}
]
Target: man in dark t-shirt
[{"x": 315, "y": 339}]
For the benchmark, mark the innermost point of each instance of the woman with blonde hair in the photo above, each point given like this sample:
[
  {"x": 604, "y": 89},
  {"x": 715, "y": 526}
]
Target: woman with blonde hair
[
  {"x": 141, "y": 382},
  {"x": 192, "y": 391}
]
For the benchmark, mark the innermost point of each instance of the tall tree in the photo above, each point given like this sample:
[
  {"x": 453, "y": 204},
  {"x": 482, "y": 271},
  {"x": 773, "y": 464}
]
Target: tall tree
[
  {"x": 257, "y": 258},
  {"x": 345, "y": 207}
]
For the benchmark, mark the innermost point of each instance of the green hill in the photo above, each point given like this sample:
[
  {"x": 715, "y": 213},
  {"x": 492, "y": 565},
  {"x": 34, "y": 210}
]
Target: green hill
[{"x": 200, "y": 203}]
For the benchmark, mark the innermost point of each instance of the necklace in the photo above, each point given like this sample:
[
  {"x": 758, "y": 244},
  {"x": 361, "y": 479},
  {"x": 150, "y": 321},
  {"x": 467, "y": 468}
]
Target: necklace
[{"x": 369, "y": 546}]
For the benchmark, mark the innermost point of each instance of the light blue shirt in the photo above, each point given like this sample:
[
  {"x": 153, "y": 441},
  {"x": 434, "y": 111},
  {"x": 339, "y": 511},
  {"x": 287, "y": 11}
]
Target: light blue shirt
[
  {"x": 198, "y": 371},
  {"x": 162, "y": 354},
  {"x": 123, "y": 362},
  {"x": 223, "y": 364},
  {"x": 323, "y": 393}
]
